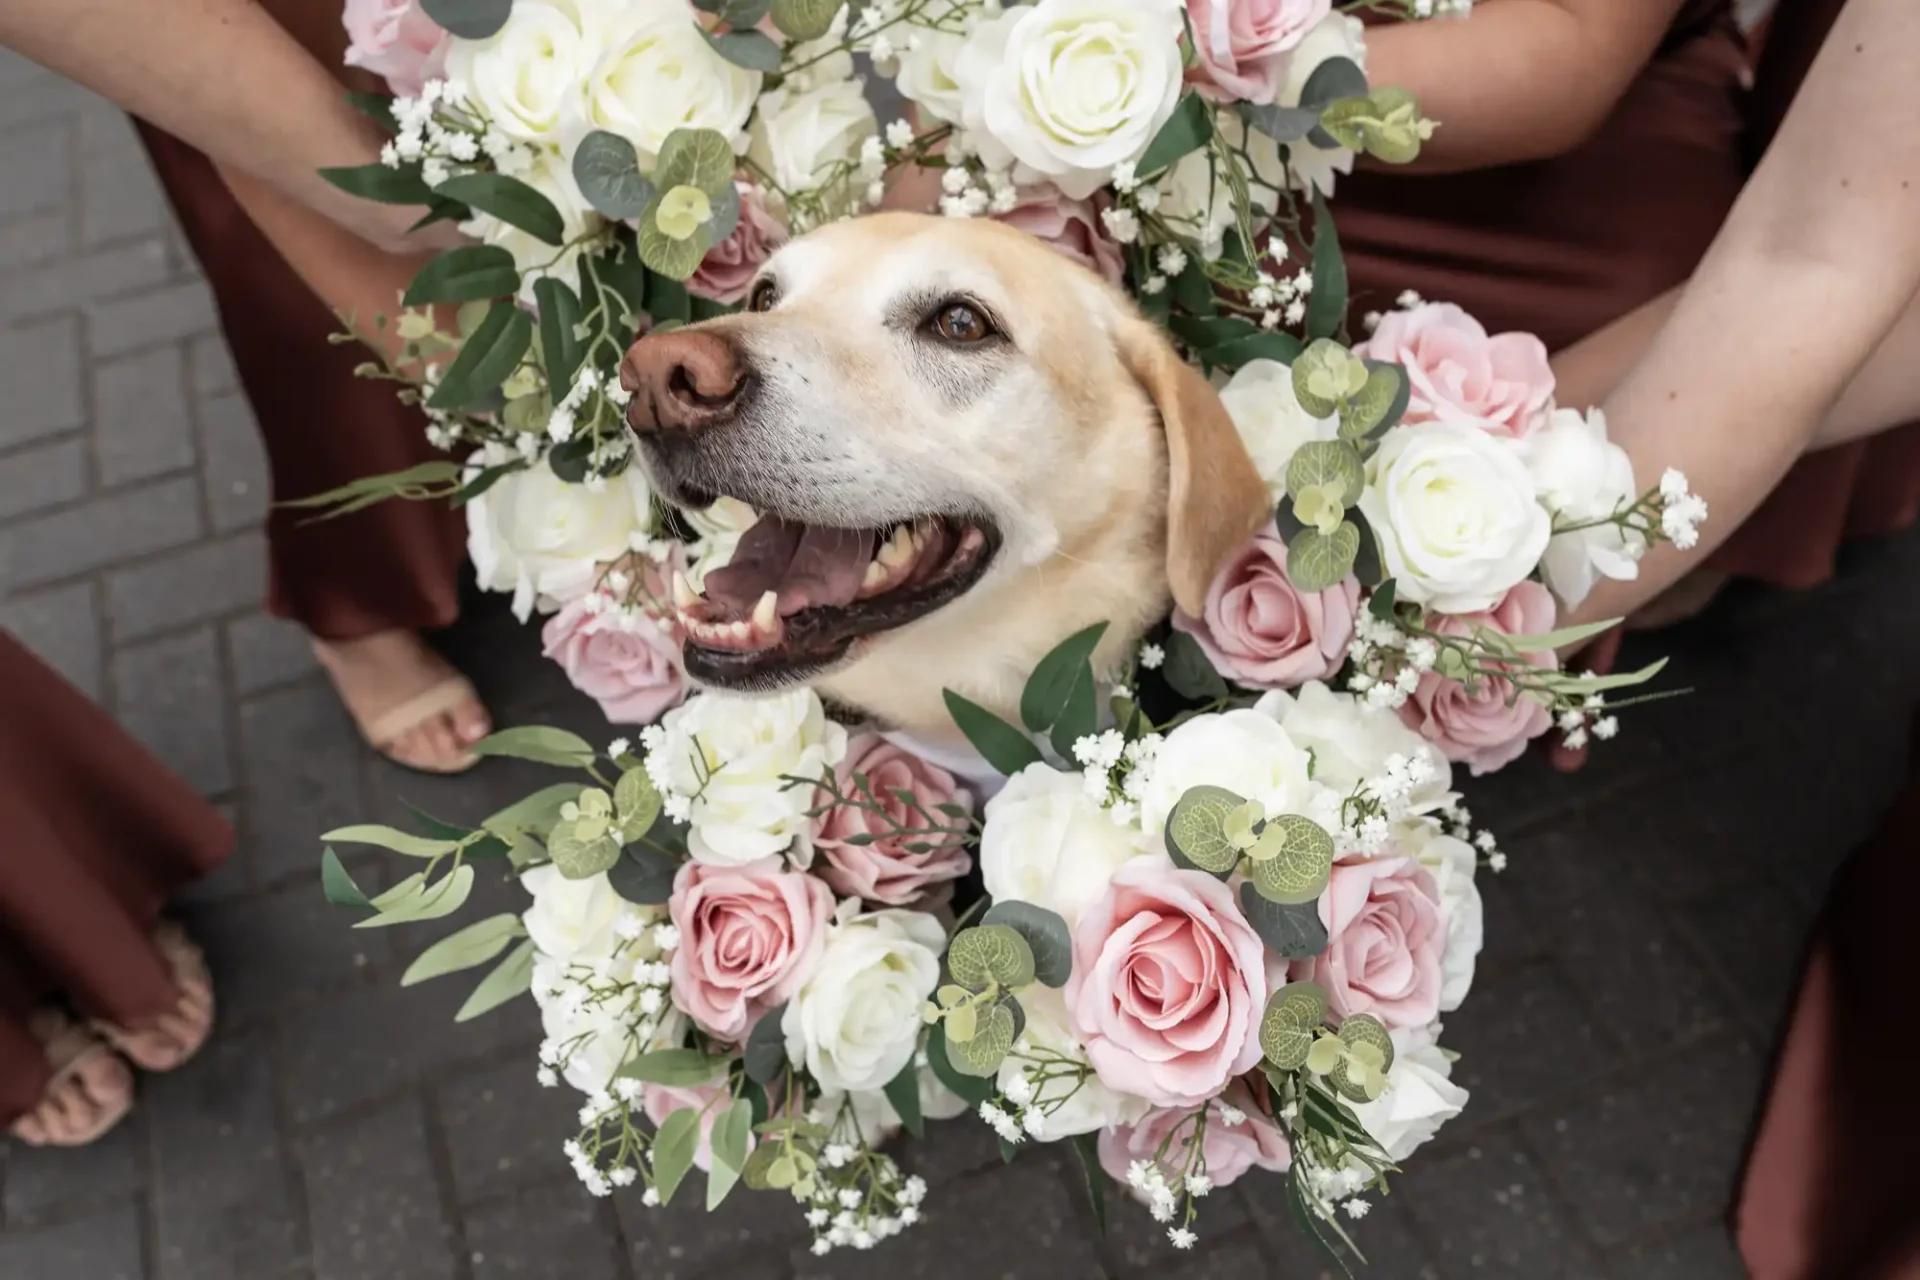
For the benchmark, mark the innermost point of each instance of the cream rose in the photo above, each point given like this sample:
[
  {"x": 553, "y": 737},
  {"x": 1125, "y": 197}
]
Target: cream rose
[
  {"x": 800, "y": 135},
  {"x": 1045, "y": 842},
  {"x": 571, "y": 918},
  {"x": 656, "y": 74},
  {"x": 927, "y": 65},
  {"x": 525, "y": 75},
  {"x": 1420, "y": 1095},
  {"x": 1244, "y": 751},
  {"x": 1088, "y": 1108},
  {"x": 1451, "y": 863},
  {"x": 1259, "y": 398},
  {"x": 855, "y": 1023},
  {"x": 1352, "y": 741},
  {"x": 1581, "y": 477},
  {"x": 1455, "y": 514},
  {"x": 1071, "y": 88},
  {"x": 729, "y": 758},
  {"x": 539, "y": 537}
]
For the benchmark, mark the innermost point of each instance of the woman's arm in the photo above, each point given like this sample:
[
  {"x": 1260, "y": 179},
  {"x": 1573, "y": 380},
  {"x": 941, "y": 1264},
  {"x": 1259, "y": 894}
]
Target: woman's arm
[
  {"x": 1816, "y": 268},
  {"x": 225, "y": 77},
  {"x": 1517, "y": 79}
]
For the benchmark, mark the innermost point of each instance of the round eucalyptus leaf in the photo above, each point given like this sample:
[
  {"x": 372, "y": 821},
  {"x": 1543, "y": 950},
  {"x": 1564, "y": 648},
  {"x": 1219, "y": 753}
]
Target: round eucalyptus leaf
[
  {"x": 1293, "y": 1014},
  {"x": 758, "y": 1175},
  {"x": 701, "y": 158},
  {"x": 983, "y": 1054},
  {"x": 1316, "y": 561},
  {"x": 607, "y": 169},
  {"x": 805, "y": 19},
  {"x": 1046, "y": 934},
  {"x": 1356, "y": 1031},
  {"x": 638, "y": 802},
  {"x": 1334, "y": 464},
  {"x": 469, "y": 19},
  {"x": 1379, "y": 403},
  {"x": 990, "y": 953},
  {"x": 666, "y": 255},
  {"x": 1291, "y": 861},
  {"x": 578, "y": 858},
  {"x": 1197, "y": 829}
]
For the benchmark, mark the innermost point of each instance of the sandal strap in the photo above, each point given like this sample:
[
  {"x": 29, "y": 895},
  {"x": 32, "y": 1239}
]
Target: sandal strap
[{"x": 383, "y": 730}]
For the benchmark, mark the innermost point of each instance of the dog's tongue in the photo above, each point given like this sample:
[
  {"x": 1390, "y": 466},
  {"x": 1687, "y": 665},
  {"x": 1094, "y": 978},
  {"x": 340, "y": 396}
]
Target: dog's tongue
[{"x": 808, "y": 565}]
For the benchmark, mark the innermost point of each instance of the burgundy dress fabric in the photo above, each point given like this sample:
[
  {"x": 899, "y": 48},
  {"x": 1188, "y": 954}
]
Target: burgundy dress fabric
[
  {"x": 392, "y": 566},
  {"x": 1562, "y": 247},
  {"x": 97, "y": 835}
]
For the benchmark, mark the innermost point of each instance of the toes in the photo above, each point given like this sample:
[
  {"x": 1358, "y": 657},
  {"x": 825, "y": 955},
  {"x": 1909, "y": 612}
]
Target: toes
[
  {"x": 472, "y": 723},
  {"x": 414, "y": 748}
]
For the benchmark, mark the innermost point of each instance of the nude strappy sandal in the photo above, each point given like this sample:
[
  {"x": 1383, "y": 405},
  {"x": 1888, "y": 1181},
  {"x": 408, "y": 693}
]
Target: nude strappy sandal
[
  {"x": 87, "y": 1075},
  {"x": 180, "y": 1032},
  {"x": 383, "y": 731}
]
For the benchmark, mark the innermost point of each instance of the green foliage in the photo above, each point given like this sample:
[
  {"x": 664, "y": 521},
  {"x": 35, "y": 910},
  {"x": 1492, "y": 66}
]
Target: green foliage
[
  {"x": 805, "y": 19},
  {"x": 469, "y": 19},
  {"x": 1327, "y": 304},
  {"x": 490, "y": 355},
  {"x": 1087, "y": 1152},
  {"x": 1186, "y": 130},
  {"x": 1045, "y": 934},
  {"x": 607, "y": 169},
  {"x": 982, "y": 1053},
  {"x": 1293, "y": 1014},
  {"x": 1282, "y": 124},
  {"x": 474, "y": 945},
  {"x": 536, "y": 813},
  {"x": 510, "y": 200},
  {"x": 903, "y": 1091},
  {"x": 1188, "y": 670},
  {"x": 470, "y": 273},
  {"x": 1004, "y": 747},
  {"x": 1361, "y": 1074},
  {"x": 751, "y": 50},
  {"x": 338, "y": 884},
  {"x": 1379, "y": 404},
  {"x": 538, "y": 743},
  {"x": 1050, "y": 687},
  {"x": 377, "y": 182},
  {"x": 1197, "y": 829},
  {"x": 971, "y": 1089},
  {"x": 987, "y": 954},
  {"x": 1290, "y": 862},
  {"x": 1290, "y": 932},
  {"x": 673, "y": 1150},
  {"x": 510, "y": 978},
  {"x": 414, "y": 899},
  {"x": 1334, "y": 78},
  {"x": 1332, "y": 465},
  {"x": 561, "y": 348},
  {"x": 392, "y": 839},
  {"x": 765, "y": 1055},
  {"x": 1316, "y": 561},
  {"x": 678, "y": 1068},
  {"x": 732, "y": 1133}
]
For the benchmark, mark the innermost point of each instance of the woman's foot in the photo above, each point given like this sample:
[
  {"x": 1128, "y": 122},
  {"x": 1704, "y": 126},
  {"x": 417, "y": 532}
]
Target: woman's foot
[
  {"x": 1679, "y": 602},
  {"x": 91, "y": 1089},
  {"x": 409, "y": 704},
  {"x": 165, "y": 1042}
]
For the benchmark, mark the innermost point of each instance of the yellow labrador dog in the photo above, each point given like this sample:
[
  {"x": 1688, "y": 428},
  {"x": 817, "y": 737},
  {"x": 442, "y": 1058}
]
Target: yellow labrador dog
[{"x": 964, "y": 448}]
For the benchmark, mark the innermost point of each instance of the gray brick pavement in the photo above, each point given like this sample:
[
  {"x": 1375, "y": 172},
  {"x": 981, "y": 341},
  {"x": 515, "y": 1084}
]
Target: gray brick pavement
[{"x": 1639, "y": 947}]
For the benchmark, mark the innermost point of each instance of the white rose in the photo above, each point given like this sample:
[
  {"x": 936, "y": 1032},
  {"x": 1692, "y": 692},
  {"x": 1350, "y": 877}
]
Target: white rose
[
  {"x": 1351, "y": 741},
  {"x": 551, "y": 176},
  {"x": 1071, "y": 88},
  {"x": 571, "y": 918},
  {"x": 1420, "y": 1095},
  {"x": 1582, "y": 476},
  {"x": 525, "y": 75},
  {"x": 729, "y": 756},
  {"x": 598, "y": 1040},
  {"x": 854, "y": 1024},
  {"x": 720, "y": 527},
  {"x": 1336, "y": 36},
  {"x": 1455, "y": 514},
  {"x": 874, "y": 1118},
  {"x": 799, "y": 136},
  {"x": 1260, "y": 400},
  {"x": 1092, "y": 1106},
  {"x": 539, "y": 537},
  {"x": 658, "y": 74},
  {"x": 1045, "y": 842},
  {"x": 1242, "y": 750},
  {"x": 928, "y": 62},
  {"x": 1451, "y": 863}
]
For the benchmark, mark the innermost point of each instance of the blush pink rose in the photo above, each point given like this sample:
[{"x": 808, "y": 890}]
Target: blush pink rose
[
  {"x": 1384, "y": 941},
  {"x": 1071, "y": 226},
  {"x": 1168, "y": 985},
  {"x": 630, "y": 665},
  {"x": 866, "y": 854},
  {"x": 660, "y": 1101},
  {"x": 1501, "y": 384},
  {"x": 394, "y": 39},
  {"x": 1240, "y": 47},
  {"x": 729, "y": 267},
  {"x": 1164, "y": 1136},
  {"x": 748, "y": 937},
  {"x": 1258, "y": 630},
  {"x": 1488, "y": 726}
]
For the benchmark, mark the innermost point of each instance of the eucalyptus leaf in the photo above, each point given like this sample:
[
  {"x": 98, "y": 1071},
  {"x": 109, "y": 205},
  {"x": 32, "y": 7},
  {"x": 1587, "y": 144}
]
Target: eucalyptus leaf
[
  {"x": 1321, "y": 376},
  {"x": 725, "y": 219},
  {"x": 668, "y": 299},
  {"x": 536, "y": 813},
  {"x": 422, "y": 901},
  {"x": 510, "y": 978},
  {"x": 1355, "y": 1030},
  {"x": 1330, "y": 463},
  {"x": 561, "y": 350},
  {"x": 673, "y": 1150},
  {"x": 1188, "y": 670},
  {"x": 1046, "y": 936},
  {"x": 701, "y": 158},
  {"x": 469, "y": 19},
  {"x": 338, "y": 883},
  {"x": 1290, "y": 932},
  {"x": 391, "y": 838},
  {"x": 1196, "y": 829},
  {"x": 1274, "y": 345},
  {"x": 474, "y": 945},
  {"x": 607, "y": 170},
  {"x": 1546, "y": 641},
  {"x": 749, "y": 49},
  {"x": 510, "y": 200},
  {"x": 668, "y": 256},
  {"x": 742, "y": 13},
  {"x": 638, "y": 802},
  {"x": 1186, "y": 131},
  {"x": 1327, "y": 304},
  {"x": 468, "y": 274},
  {"x": 1590, "y": 683},
  {"x": 1004, "y": 747},
  {"x": 541, "y": 744},
  {"x": 1293, "y": 1014},
  {"x": 1380, "y": 604},
  {"x": 1333, "y": 78},
  {"x": 1368, "y": 567},
  {"x": 377, "y": 182},
  {"x": 1316, "y": 561},
  {"x": 903, "y": 1091},
  {"x": 1203, "y": 332},
  {"x": 1379, "y": 404},
  {"x": 988, "y": 954},
  {"x": 1282, "y": 124},
  {"x": 982, "y": 1055},
  {"x": 1052, "y": 681},
  {"x": 678, "y": 1068},
  {"x": 643, "y": 876},
  {"x": 487, "y": 359},
  {"x": 973, "y": 1090},
  {"x": 1079, "y": 718},
  {"x": 759, "y": 1169},
  {"x": 1292, "y": 860},
  {"x": 581, "y": 858},
  {"x": 805, "y": 19},
  {"x": 765, "y": 1055},
  {"x": 1087, "y": 1152},
  {"x": 732, "y": 1135}
]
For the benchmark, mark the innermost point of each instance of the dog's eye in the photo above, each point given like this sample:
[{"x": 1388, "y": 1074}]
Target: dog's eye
[
  {"x": 762, "y": 298},
  {"x": 962, "y": 323}
]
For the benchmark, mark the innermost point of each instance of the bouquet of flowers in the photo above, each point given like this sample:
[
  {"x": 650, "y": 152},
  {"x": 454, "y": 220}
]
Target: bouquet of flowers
[{"x": 1225, "y": 890}]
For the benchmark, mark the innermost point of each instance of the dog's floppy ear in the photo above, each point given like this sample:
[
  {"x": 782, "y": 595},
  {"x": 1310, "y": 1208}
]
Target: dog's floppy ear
[{"x": 1215, "y": 497}]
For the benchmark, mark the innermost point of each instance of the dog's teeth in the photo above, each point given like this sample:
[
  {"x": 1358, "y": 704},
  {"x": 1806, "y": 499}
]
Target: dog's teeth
[
  {"x": 684, "y": 596},
  {"x": 876, "y": 574},
  {"x": 766, "y": 614},
  {"x": 972, "y": 538},
  {"x": 899, "y": 549},
  {"x": 740, "y": 630}
]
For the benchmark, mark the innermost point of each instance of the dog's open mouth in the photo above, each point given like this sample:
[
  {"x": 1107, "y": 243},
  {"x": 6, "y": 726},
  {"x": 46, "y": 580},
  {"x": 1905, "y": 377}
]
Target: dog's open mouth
[{"x": 795, "y": 596}]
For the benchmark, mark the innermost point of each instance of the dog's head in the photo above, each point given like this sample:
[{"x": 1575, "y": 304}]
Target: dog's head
[{"x": 963, "y": 447}]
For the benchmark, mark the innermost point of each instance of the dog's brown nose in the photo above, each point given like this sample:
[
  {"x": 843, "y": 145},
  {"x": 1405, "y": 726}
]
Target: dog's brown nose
[{"x": 682, "y": 380}]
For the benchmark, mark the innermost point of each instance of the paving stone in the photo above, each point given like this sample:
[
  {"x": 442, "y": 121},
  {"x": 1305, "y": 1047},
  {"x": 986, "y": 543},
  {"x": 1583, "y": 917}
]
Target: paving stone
[
  {"x": 33, "y": 240},
  {"x": 40, "y": 380},
  {"x": 1385, "y": 1235},
  {"x": 168, "y": 314},
  {"x": 1233, "y": 1260},
  {"x": 557, "y": 1233},
  {"x": 267, "y": 651},
  {"x": 119, "y": 195},
  {"x": 42, "y": 476},
  {"x": 238, "y": 487},
  {"x": 504, "y": 1131},
  {"x": 1705, "y": 1253},
  {"x": 62, "y": 628},
  {"x": 1135, "y": 1242},
  {"x": 210, "y": 366},
  {"x": 285, "y": 949},
  {"x": 1489, "y": 1214},
  {"x": 105, "y": 1246},
  {"x": 373, "y": 1200},
  {"x": 61, "y": 284},
  {"x": 298, "y": 750},
  {"x": 203, "y": 581},
  {"x": 94, "y": 534},
  {"x": 141, "y": 424},
  {"x": 38, "y": 97},
  {"x": 681, "y": 1241},
  {"x": 39, "y": 168},
  {"x": 168, "y": 696},
  {"x": 45, "y": 1182},
  {"x": 1756, "y": 937},
  {"x": 223, "y": 1202},
  {"x": 1522, "y": 1037},
  {"x": 1659, "y": 1151}
]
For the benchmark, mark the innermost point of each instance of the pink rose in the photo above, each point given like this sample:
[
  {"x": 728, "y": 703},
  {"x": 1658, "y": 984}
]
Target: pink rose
[
  {"x": 881, "y": 867},
  {"x": 1165, "y": 1137},
  {"x": 394, "y": 39},
  {"x": 660, "y": 1101},
  {"x": 1257, "y": 629},
  {"x": 1168, "y": 985},
  {"x": 1500, "y": 384},
  {"x": 1488, "y": 726},
  {"x": 729, "y": 267},
  {"x": 1384, "y": 939},
  {"x": 748, "y": 938},
  {"x": 1240, "y": 46},
  {"x": 1071, "y": 226},
  {"x": 628, "y": 664}
]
